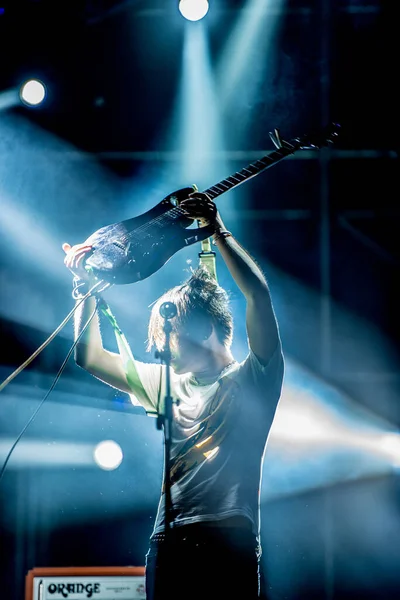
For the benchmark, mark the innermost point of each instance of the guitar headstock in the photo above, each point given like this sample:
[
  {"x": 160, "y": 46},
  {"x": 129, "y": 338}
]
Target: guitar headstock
[
  {"x": 320, "y": 139},
  {"x": 312, "y": 141}
]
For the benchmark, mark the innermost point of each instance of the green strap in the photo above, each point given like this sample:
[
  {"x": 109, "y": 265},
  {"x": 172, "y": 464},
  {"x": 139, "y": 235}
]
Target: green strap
[
  {"x": 131, "y": 373},
  {"x": 208, "y": 259}
]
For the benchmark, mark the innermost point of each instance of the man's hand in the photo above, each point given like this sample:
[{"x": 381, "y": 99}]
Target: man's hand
[
  {"x": 74, "y": 259},
  {"x": 199, "y": 206}
]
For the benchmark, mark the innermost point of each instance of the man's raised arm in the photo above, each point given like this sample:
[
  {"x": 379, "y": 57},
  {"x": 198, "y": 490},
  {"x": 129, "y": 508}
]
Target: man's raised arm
[{"x": 262, "y": 327}]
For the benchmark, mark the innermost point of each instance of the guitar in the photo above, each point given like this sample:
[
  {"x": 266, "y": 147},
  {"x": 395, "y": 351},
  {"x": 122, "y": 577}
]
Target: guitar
[{"x": 134, "y": 249}]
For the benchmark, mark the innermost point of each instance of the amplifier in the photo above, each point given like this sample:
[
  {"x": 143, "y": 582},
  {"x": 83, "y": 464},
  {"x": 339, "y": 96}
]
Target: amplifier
[{"x": 81, "y": 583}]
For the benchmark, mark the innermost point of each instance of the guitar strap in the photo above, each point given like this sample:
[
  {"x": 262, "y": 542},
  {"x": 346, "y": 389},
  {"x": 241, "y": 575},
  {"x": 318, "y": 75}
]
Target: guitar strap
[
  {"x": 131, "y": 373},
  {"x": 207, "y": 258}
]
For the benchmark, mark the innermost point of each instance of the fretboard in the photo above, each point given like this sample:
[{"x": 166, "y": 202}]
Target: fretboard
[{"x": 253, "y": 169}]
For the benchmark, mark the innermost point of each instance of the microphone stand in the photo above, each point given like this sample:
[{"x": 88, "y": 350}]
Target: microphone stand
[{"x": 167, "y": 311}]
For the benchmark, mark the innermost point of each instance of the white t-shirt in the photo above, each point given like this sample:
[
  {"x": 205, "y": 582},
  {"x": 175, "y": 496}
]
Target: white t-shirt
[{"x": 218, "y": 437}]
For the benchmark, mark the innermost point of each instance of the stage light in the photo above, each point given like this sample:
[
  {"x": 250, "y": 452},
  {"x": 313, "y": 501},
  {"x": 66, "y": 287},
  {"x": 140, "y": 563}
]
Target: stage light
[
  {"x": 193, "y": 10},
  {"x": 32, "y": 92},
  {"x": 390, "y": 445},
  {"x": 108, "y": 455}
]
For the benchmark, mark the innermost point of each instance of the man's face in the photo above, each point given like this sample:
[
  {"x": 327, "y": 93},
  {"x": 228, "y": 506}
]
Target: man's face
[{"x": 189, "y": 354}]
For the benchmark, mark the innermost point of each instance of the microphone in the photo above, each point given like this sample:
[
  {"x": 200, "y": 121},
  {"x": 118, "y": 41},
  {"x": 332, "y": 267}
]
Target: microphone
[{"x": 168, "y": 310}]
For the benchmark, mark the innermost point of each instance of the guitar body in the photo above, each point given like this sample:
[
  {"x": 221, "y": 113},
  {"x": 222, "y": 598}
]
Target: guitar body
[{"x": 134, "y": 249}]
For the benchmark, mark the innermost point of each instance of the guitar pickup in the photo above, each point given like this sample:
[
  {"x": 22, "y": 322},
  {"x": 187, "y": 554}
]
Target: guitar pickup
[{"x": 121, "y": 246}]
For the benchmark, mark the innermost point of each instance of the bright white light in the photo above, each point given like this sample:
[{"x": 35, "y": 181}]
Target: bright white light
[
  {"x": 193, "y": 10},
  {"x": 33, "y": 92},
  {"x": 108, "y": 455},
  {"x": 390, "y": 445}
]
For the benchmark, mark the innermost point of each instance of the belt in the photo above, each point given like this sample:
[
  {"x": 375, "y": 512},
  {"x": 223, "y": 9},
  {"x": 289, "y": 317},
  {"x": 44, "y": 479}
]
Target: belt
[{"x": 237, "y": 522}]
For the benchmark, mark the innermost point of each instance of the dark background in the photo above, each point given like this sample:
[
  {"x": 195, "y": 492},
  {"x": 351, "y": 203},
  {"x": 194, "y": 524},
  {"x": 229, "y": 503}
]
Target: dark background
[{"x": 323, "y": 225}]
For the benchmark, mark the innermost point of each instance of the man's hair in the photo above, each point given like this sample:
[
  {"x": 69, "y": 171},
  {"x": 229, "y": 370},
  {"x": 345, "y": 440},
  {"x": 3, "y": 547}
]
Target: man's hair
[{"x": 200, "y": 302}]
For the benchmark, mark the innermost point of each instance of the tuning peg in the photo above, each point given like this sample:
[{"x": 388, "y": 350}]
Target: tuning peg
[
  {"x": 333, "y": 132},
  {"x": 276, "y": 138}
]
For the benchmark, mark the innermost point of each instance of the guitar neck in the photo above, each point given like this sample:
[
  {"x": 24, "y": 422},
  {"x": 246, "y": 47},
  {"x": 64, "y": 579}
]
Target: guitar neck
[
  {"x": 247, "y": 173},
  {"x": 253, "y": 169}
]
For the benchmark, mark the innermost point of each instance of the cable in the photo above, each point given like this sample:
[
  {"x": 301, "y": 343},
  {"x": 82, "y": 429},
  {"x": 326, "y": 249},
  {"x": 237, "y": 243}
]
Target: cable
[
  {"x": 57, "y": 377},
  {"x": 53, "y": 335}
]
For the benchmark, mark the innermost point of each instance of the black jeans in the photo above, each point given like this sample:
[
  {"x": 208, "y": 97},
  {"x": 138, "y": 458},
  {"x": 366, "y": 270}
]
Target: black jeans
[{"x": 203, "y": 562}]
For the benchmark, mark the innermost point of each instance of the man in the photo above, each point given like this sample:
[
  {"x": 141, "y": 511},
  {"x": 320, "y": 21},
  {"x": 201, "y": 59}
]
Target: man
[{"x": 207, "y": 545}]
